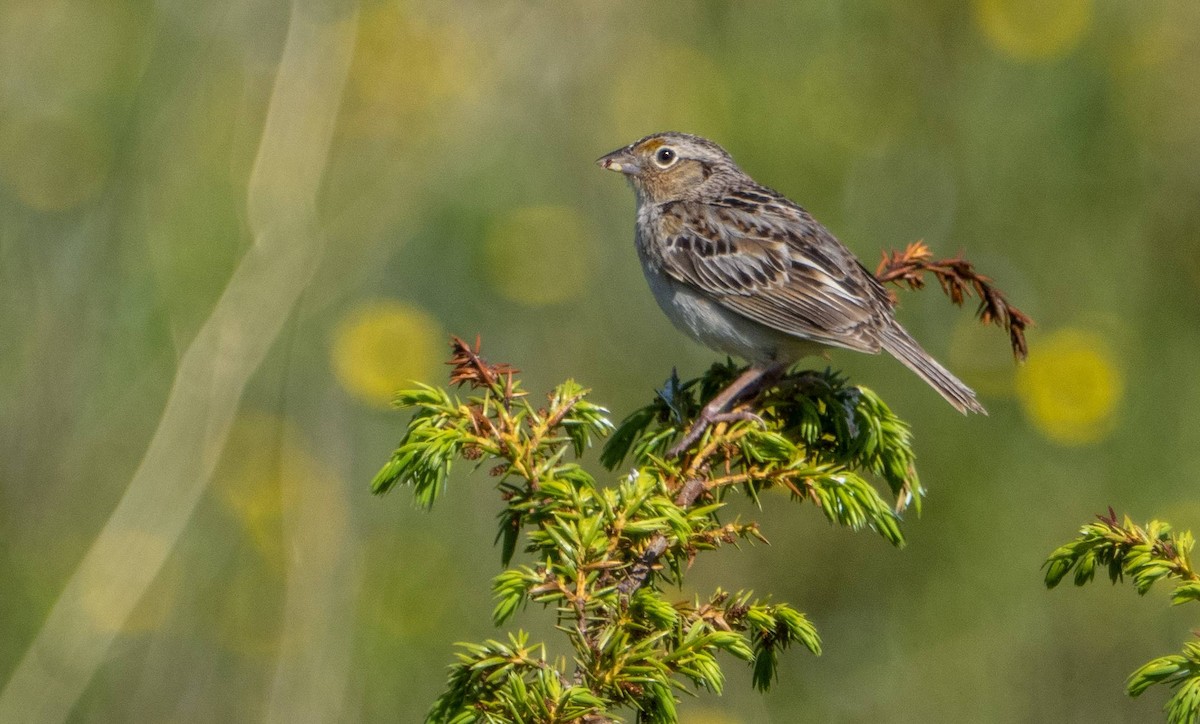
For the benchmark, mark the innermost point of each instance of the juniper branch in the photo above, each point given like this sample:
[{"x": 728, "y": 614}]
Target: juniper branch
[
  {"x": 600, "y": 557},
  {"x": 1144, "y": 554}
]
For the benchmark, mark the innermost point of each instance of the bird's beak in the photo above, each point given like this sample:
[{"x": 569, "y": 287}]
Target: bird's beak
[{"x": 620, "y": 160}]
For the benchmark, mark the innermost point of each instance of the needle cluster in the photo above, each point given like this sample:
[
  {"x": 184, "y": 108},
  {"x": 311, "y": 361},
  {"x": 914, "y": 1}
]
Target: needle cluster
[{"x": 1145, "y": 555}]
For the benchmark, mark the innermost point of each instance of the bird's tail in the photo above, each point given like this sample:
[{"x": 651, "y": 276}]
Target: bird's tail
[{"x": 903, "y": 347}]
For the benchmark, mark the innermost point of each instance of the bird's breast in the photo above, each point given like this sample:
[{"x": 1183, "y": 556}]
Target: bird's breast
[{"x": 715, "y": 326}]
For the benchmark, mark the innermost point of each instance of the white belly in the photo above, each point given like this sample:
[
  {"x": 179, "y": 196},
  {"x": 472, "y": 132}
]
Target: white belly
[{"x": 726, "y": 331}]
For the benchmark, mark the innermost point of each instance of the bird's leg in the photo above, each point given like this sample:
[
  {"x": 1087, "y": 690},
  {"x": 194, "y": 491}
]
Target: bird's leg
[{"x": 717, "y": 408}]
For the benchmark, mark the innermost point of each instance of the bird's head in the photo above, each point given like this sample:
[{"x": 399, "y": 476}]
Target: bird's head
[{"x": 672, "y": 166}]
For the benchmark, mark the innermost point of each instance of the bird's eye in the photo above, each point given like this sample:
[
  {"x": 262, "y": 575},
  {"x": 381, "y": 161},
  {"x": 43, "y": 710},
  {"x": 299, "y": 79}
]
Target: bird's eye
[{"x": 665, "y": 156}]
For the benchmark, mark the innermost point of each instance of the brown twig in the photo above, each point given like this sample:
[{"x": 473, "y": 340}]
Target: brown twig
[
  {"x": 645, "y": 564},
  {"x": 687, "y": 494},
  {"x": 689, "y": 491},
  {"x": 470, "y": 368},
  {"x": 958, "y": 280}
]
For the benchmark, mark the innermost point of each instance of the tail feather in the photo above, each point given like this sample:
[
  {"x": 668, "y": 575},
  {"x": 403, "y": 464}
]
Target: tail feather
[{"x": 903, "y": 347}]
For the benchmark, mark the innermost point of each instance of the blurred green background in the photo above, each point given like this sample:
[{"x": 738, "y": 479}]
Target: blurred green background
[{"x": 1056, "y": 144}]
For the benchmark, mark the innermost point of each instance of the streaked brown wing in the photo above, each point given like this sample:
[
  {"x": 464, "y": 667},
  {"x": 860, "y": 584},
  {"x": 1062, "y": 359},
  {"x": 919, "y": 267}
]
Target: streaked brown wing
[{"x": 774, "y": 264}]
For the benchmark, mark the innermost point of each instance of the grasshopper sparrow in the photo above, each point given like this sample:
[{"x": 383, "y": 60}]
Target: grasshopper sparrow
[{"x": 743, "y": 270}]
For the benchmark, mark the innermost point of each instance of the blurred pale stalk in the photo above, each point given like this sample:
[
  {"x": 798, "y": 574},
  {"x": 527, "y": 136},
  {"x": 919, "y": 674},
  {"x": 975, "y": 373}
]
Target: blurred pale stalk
[
  {"x": 313, "y": 656},
  {"x": 212, "y": 374}
]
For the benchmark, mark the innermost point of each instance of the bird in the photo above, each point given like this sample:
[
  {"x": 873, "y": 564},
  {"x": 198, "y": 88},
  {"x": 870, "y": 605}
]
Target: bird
[{"x": 744, "y": 270}]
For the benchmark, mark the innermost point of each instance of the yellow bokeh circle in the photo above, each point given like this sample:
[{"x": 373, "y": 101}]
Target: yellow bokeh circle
[
  {"x": 383, "y": 346},
  {"x": 407, "y": 73},
  {"x": 538, "y": 255},
  {"x": 248, "y": 482},
  {"x": 270, "y": 471},
  {"x": 1033, "y": 29},
  {"x": 291, "y": 508},
  {"x": 1071, "y": 386}
]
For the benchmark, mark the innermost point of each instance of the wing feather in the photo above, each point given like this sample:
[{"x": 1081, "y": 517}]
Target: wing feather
[{"x": 767, "y": 259}]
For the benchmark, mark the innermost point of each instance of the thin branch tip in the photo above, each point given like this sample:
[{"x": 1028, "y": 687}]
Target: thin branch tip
[{"x": 959, "y": 280}]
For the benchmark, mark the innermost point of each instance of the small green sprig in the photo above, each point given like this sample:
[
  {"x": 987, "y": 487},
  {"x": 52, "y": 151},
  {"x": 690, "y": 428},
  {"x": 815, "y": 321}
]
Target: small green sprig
[
  {"x": 518, "y": 683},
  {"x": 601, "y": 556},
  {"x": 1145, "y": 555}
]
